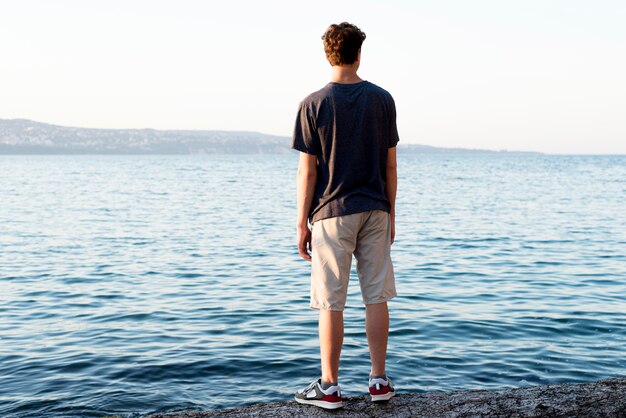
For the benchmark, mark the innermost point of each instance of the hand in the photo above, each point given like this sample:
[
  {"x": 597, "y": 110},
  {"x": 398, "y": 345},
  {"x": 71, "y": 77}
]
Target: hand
[
  {"x": 393, "y": 228},
  {"x": 304, "y": 242}
]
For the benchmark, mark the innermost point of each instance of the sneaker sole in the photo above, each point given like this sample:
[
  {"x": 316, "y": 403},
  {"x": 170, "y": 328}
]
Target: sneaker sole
[
  {"x": 321, "y": 404},
  {"x": 385, "y": 397}
]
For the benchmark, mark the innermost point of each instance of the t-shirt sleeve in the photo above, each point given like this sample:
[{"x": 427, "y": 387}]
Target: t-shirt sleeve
[
  {"x": 393, "y": 128},
  {"x": 305, "y": 138}
]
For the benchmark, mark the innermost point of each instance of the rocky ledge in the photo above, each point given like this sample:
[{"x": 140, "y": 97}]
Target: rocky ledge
[{"x": 605, "y": 398}]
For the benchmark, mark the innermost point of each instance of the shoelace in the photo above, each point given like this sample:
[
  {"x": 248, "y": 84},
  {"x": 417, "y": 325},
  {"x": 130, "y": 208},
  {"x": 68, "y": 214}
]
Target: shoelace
[{"x": 310, "y": 387}]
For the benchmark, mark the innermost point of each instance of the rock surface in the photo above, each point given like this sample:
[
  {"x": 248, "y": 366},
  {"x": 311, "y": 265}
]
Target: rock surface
[{"x": 605, "y": 398}]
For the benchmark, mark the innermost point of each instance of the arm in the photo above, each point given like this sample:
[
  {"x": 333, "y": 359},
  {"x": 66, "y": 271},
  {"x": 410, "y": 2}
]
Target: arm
[
  {"x": 307, "y": 175},
  {"x": 391, "y": 186}
]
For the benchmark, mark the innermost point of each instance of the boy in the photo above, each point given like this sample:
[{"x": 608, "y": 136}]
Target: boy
[{"x": 346, "y": 134}]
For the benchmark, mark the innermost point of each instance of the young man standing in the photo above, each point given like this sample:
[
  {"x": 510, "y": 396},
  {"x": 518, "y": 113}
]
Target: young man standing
[{"x": 346, "y": 134}]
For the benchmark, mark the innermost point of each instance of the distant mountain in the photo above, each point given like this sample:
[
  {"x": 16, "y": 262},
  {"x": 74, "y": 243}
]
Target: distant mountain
[
  {"x": 22, "y": 136},
  {"x": 429, "y": 149}
]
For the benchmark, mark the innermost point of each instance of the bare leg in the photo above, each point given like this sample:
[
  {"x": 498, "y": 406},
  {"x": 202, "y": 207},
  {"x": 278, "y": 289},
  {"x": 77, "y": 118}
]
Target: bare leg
[
  {"x": 377, "y": 328},
  {"x": 331, "y": 340}
]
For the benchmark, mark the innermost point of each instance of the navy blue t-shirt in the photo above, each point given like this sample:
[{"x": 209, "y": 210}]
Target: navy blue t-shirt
[{"x": 349, "y": 127}]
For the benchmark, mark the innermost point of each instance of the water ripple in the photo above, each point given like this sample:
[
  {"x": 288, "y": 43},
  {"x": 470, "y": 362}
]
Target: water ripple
[{"x": 132, "y": 284}]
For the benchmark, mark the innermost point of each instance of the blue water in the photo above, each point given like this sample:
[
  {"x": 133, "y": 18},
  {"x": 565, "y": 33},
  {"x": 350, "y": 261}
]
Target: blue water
[{"x": 139, "y": 284}]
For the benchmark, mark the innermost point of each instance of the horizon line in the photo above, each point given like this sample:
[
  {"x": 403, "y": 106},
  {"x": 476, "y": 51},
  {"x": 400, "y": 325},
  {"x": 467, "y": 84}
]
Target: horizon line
[{"x": 402, "y": 143}]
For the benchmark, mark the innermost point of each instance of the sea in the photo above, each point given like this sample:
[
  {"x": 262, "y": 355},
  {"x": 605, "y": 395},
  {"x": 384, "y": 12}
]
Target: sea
[{"x": 141, "y": 284}]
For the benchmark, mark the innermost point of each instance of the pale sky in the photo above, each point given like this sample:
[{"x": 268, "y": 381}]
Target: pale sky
[{"x": 535, "y": 75}]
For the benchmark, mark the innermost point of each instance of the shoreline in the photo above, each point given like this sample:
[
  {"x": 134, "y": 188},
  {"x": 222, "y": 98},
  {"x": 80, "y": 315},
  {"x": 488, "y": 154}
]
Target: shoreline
[{"x": 603, "y": 398}]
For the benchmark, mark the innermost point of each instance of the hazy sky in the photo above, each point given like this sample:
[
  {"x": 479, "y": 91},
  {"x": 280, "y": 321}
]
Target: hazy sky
[{"x": 525, "y": 75}]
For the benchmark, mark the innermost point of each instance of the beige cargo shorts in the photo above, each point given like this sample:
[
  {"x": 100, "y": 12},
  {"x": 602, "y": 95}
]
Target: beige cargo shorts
[{"x": 367, "y": 235}]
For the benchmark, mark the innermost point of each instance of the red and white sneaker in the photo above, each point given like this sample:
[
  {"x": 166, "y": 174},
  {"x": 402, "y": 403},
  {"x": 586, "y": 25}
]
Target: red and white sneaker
[
  {"x": 381, "y": 389},
  {"x": 315, "y": 395}
]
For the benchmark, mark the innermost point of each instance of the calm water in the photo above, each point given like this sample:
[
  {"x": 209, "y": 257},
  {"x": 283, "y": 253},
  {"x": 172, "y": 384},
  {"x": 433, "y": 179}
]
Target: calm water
[{"x": 139, "y": 284}]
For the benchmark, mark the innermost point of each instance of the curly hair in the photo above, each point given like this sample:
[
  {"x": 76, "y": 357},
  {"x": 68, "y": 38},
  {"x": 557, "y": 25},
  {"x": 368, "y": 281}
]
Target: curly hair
[{"x": 342, "y": 43}]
